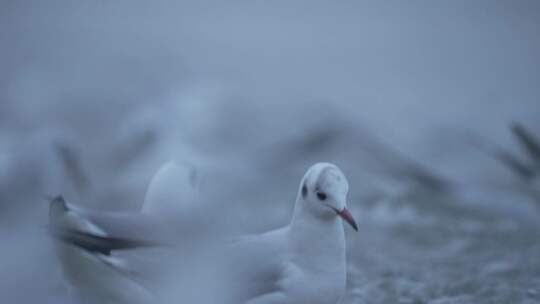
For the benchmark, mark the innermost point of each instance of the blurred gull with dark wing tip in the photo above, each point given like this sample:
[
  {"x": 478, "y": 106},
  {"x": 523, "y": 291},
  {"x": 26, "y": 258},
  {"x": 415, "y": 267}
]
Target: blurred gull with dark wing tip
[
  {"x": 525, "y": 168},
  {"x": 86, "y": 252},
  {"x": 89, "y": 242}
]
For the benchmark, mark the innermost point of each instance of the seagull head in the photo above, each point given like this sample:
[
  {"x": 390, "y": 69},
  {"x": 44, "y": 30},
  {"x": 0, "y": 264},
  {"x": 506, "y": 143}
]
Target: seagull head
[{"x": 323, "y": 191}]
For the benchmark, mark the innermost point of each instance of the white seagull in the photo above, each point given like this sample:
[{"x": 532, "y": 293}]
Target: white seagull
[{"x": 305, "y": 261}]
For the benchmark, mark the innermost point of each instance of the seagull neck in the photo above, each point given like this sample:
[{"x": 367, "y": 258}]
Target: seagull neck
[{"x": 312, "y": 233}]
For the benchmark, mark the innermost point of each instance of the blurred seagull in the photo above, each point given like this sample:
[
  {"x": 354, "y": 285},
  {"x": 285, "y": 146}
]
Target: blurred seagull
[
  {"x": 304, "y": 262},
  {"x": 88, "y": 242},
  {"x": 525, "y": 167},
  {"x": 85, "y": 248},
  {"x": 528, "y": 141}
]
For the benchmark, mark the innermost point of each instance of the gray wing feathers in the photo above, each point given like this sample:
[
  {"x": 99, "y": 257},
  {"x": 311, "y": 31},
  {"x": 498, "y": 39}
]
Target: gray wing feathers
[
  {"x": 100, "y": 244},
  {"x": 112, "y": 232}
]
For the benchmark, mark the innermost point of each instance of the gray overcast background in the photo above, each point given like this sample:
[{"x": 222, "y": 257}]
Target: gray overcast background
[{"x": 253, "y": 92}]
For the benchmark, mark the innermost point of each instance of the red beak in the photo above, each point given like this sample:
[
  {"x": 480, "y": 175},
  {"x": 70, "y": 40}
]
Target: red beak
[{"x": 346, "y": 216}]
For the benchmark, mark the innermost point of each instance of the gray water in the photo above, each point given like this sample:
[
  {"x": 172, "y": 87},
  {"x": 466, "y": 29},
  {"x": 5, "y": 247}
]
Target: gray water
[{"x": 413, "y": 100}]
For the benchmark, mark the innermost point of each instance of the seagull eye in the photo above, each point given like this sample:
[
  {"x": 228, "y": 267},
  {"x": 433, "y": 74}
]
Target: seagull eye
[{"x": 321, "y": 196}]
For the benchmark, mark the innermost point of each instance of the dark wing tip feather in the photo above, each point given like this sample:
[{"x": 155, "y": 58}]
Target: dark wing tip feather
[
  {"x": 100, "y": 244},
  {"x": 527, "y": 140}
]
